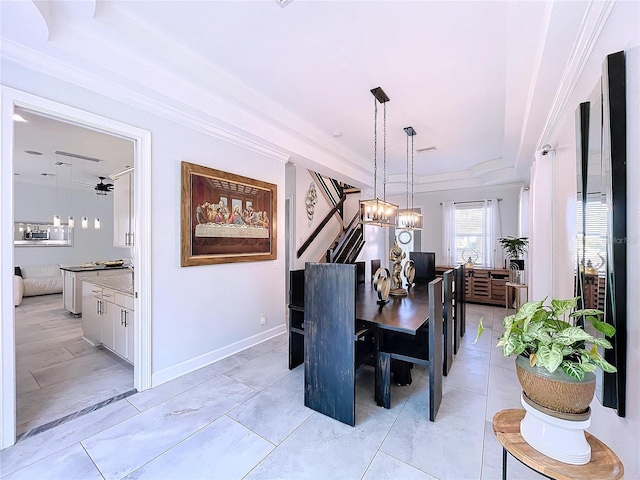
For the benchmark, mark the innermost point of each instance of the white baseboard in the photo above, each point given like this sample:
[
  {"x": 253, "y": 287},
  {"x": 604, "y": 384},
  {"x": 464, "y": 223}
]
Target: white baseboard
[{"x": 188, "y": 366}]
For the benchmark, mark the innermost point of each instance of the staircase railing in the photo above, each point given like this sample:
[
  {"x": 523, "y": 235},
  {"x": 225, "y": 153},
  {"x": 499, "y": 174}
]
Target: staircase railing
[
  {"x": 334, "y": 253},
  {"x": 320, "y": 226}
]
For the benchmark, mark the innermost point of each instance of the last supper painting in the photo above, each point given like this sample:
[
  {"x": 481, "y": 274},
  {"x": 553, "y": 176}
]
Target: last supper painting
[{"x": 226, "y": 217}]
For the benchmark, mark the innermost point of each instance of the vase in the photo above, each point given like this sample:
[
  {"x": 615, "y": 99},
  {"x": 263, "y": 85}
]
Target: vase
[{"x": 556, "y": 391}]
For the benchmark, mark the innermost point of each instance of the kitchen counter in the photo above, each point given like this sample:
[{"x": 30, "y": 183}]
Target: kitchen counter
[
  {"x": 92, "y": 268},
  {"x": 120, "y": 283}
]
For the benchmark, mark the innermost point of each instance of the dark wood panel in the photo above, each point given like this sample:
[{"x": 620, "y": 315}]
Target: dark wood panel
[{"x": 329, "y": 347}]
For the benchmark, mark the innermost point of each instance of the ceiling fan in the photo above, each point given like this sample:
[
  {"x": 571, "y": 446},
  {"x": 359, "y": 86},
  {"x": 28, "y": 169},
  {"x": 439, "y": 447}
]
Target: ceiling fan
[{"x": 103, "y": 188}]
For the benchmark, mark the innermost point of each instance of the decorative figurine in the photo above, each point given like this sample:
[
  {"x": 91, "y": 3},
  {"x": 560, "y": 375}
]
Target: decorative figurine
[{"x": 396, "y": 255}]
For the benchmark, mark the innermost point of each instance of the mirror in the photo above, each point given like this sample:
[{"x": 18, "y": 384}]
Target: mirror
[
  {"x": 39, "y": 234},
  {"x": 601, "y": 218}
]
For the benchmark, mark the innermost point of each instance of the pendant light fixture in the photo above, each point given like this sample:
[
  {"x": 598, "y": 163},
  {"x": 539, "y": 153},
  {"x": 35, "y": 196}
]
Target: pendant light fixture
[
  {"x": 375, "y": 211},
  {"x": 56, "y": 217},
  {"x": 71, "y": 220},
  {"x": 410, "y": 219},
  {"x": 96, "y": 220},
  {"x": 84, "y": 222}
]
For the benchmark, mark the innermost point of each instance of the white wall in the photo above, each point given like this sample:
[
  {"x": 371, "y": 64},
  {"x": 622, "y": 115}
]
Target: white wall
[
  {"x": 621, "y": 32},
  {"x": 303, "y": 229},
  {"x": 199, "y": 314},
  {"x": 431, "y": 238},
  {"x": 37, "y": 203}
]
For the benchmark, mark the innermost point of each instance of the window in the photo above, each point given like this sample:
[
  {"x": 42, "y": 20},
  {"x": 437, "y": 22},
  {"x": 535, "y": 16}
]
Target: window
[
  {"x": 471, "y": 229},
  {"x": 595, "y": 238},
  {"x": 469, "y": 221}
]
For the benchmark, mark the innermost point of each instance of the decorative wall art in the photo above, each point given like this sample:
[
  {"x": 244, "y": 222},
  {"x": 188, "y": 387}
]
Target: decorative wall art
[
  {"x": 225, "y": 217},
  {"x": 310, "y": 202}
]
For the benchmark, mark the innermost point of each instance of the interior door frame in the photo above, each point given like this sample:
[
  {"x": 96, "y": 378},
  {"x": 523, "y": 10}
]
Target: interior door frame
[{"x": 10, "y": 99}]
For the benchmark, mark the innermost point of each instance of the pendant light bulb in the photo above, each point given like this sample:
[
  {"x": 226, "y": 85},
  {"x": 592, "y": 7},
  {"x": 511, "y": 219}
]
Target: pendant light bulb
[
  {"x": 72, "y": 221},
  {"x": 96, "y": 223},
  {"x": 56, "y": 220},
  {"x": 85, "y": 223}
]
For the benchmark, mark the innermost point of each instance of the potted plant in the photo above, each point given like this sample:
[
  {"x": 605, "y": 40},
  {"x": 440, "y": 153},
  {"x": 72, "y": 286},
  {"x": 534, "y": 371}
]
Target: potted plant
[
  {"x": 514, "y": 247},
  {"x": 556, "y": 357}
]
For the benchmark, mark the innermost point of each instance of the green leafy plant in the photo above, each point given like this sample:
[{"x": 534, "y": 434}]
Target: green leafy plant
[
  {"x": 551, "y": 337},
  {"x": 514, "y": 246}
]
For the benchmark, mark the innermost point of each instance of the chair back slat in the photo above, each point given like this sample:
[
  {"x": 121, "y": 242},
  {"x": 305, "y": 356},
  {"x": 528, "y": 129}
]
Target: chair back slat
[
  {"x": 435, "y": 346},
  {"x": 447, "y": 313},
  {"x": 329, "y": 348},
  {"x": 425, "y": 265}
]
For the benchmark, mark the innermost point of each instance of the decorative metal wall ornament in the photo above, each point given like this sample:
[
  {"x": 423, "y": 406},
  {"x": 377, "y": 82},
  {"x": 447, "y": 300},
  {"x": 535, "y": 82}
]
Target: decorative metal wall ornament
[
  {"x": 375, "y": 211},
  {"x": 410, "y": 218},
  {"x": 396, "y": 255},
  {"x": 310, "y": 201}
]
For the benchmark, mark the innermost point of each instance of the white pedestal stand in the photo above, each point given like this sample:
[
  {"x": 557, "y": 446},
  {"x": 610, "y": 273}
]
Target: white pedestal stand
[{"x": 558, "y": 438}]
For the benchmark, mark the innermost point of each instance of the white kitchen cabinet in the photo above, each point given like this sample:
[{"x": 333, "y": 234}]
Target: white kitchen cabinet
[
  {"x": 107, "y": 318},
  {"x": 123, "y": 209},
  {"x": 72, "y": 289},
  {"x": 72, "y": 284},
  {"x": 123, "y": 332},
  {"x": 92, "y": 316}
]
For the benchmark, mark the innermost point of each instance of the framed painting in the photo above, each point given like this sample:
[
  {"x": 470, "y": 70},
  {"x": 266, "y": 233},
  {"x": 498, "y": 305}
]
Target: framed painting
[{"x": 225, "y": 217}]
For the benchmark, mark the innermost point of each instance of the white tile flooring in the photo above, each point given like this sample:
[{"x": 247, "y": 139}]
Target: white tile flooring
[
  {"x": 58, "y": 373},
  {"x": 243, "y": 417}
]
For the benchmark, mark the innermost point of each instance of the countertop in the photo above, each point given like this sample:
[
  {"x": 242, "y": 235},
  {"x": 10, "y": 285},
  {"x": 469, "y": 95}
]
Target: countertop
[
  {"x": 78, "y": 268},
  {"x": 121, "y": 283}
]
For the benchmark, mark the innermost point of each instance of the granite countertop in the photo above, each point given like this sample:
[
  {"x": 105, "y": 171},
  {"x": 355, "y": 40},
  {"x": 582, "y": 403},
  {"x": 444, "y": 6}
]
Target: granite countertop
[
  {"x": 79, "y": 268},
  {"x": 121, "y": 283}
]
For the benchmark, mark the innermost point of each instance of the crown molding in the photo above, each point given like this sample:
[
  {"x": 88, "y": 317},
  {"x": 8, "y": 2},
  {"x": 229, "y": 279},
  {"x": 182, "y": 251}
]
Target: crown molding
[
  {"x": 34, "y": 60},
  {"x": 593, "y": 22}
]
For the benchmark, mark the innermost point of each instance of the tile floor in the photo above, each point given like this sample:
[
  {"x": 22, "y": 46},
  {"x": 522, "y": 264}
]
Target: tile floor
[
  {"x": 243, "y": 417},
  {"x": 58, "y": 373}
]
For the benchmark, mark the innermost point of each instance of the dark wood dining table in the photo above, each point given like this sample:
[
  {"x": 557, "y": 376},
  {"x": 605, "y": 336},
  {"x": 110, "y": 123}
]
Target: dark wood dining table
[{"x": 400, "y": 314}]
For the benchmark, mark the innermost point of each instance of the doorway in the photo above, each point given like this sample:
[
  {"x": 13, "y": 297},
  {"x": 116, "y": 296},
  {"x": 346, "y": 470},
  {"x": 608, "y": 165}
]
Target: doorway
[{"x": 12, "y": 101}]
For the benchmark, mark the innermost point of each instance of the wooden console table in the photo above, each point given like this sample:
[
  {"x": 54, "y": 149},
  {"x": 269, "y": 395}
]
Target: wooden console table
[{"x": 604, "y": 464}]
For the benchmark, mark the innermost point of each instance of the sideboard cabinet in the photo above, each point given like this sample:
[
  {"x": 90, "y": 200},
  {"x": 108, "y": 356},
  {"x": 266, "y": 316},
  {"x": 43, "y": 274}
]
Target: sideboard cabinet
[{"x": 486, "y": 285}]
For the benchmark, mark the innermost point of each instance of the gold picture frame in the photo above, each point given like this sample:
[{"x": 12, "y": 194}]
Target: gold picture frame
[{"x": 225, "y": 217}]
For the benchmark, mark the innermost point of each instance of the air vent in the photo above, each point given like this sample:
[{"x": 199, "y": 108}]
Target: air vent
[
  {"x": 32, "y": 152},
  {"x": 425, "y": 149},
  {"x": 75, "y": 155}
]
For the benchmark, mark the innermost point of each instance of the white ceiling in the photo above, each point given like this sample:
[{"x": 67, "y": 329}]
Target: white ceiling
[
  {"x": 481, "y": 81},
  {"x": 46, "y": 135}
]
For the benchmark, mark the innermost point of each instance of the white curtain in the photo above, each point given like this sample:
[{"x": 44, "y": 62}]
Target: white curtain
[
  {"x": 523, "y": 220},
  {"x": 449, "y": 234},
  {"x": 491, "y": 251}
]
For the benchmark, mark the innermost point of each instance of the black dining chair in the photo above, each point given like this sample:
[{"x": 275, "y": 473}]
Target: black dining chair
[
  {"x": 425, "y": 265},
  {"x": 360, "y": 272},
  {"x": 459, "y": 306},
  {"x": 335, "y": 344},
  {"x": 448, "y": 332},
  {"x": 414, "y": 349}
]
